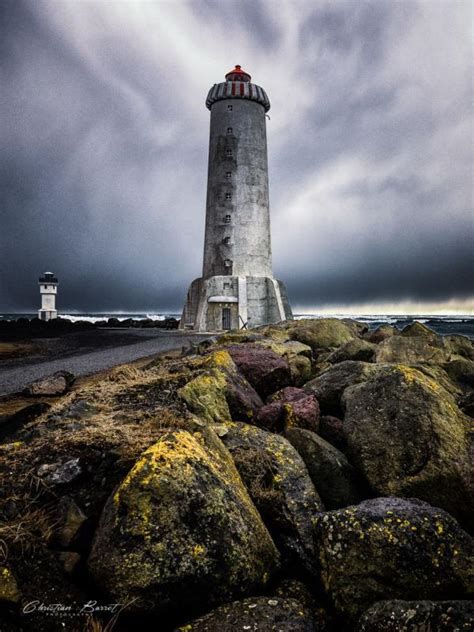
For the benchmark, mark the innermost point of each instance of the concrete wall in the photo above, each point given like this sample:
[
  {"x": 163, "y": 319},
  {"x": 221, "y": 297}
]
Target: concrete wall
[
  {"x": 253, "y": 301},
  {"x": 248, "y": 231}
]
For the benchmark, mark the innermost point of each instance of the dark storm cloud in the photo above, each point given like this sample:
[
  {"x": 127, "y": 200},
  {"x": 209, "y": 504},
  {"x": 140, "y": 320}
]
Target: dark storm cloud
[{"x": 104, "y": 147}]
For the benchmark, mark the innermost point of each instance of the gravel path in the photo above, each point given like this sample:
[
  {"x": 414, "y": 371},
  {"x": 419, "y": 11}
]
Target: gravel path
[{"x": 15, "y": 379}]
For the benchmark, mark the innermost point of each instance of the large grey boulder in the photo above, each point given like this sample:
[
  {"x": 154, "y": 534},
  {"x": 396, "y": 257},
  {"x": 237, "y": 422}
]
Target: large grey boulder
[
  {"x": 332, "y": 474},
  {"x": 181, "y": 530},
  {"x": 323, "y": 334},
  {"x": 407, "y": 437},
  {"x": 257, "y": 613},
  {"x": 331, "y": 384},
  {"x": 392, "y": 548},
  {"x": 280, "y": 487},
  {"x": 417, "y": 616}
]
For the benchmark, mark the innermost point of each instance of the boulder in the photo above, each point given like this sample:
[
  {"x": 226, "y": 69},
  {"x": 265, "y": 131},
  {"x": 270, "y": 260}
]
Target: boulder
[
  {"x": 356, "y": 349},
  {"x": 412, "y": 349},
  {"x": 416, "y": 329},
  {"x": 277, "y": 331},
  {"x": 220, "y": 392},
  {"x": 391, "y": 548},
  {"x": 415, "y": 616},
  {"x": 322, "y": 334},
  {"x": 358, "y": 328},
  {"x": 460, "y": 346},
  {"x": 53, "y": 385},
  {"x": 181, "y": 530},
  {"x": 266, "y": 371},
  {"x": 298, "y": 356},
  {"x": 461, "y": 371},
  {"x": 287, "y": 408},
  {"x": 279, "y": 485},
  {"x": 256, "y": 613},
  {"x": 439, "y": 375},
  {"x": 239, "y": 336},
  {"x": 331, "y": 429},
  {"x": 408, "y": 438},
  {"x": 60, "y": 473},
  {"x": 332, "y": 474},
  {"x": 381, "y": 333},
  {"x": 331, "y": 384}
]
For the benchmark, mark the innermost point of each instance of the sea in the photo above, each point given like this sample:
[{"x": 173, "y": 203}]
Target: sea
[{"x": 442, "y": 324}]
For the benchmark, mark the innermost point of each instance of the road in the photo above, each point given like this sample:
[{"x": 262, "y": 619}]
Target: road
[{"x": 14, "y": 379}]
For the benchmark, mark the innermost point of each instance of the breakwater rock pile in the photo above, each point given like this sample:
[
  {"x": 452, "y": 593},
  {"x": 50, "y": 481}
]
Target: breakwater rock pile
[
  {"x": 306, "y": 476},
  {"x": 36, "y": 328}
]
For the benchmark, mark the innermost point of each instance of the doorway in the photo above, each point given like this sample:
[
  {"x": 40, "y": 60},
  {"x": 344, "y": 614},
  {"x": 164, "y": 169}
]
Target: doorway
[{"x": 226, "y": 318}]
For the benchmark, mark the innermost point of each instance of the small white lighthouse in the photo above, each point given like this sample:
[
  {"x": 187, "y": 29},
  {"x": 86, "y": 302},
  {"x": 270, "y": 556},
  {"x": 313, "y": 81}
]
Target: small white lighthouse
[{"x": 48, "y": 289}]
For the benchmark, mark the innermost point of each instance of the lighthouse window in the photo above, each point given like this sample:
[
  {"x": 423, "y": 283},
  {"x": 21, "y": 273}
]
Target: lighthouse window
[
  {"x": 227, "y": 240},
  {"x": 228, "y": 263},
  {"x": 228, "y": 196},
  {"x": 229, "y": 130},
  {"x": 229, "y": 107},
  {"x": 228, "y": 175},
  {"x": 229, "y": 152},
  {"x": 227, "y": 219}
]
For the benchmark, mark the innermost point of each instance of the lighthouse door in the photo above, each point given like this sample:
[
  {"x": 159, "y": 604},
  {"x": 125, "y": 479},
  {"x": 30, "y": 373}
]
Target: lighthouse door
[{"x": 226, "y": 318}]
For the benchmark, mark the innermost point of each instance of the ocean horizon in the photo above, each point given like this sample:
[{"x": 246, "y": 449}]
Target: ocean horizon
[{"x": 444, "y": 324}]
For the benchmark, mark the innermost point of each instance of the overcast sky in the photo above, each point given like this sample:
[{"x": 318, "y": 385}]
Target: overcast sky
[{"x": 104, "y": 141}]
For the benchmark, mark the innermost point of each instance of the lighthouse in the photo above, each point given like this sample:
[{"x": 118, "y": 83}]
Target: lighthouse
[
  {"x": 48, "y": 284},
  {"x": 237, "y": 288}
]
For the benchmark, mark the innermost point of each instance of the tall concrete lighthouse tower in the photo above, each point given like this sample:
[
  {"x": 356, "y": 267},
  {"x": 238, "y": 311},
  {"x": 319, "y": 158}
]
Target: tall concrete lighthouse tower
[
  {"x": 48, "y": 289},
  {"x": 237, "y": 288}
]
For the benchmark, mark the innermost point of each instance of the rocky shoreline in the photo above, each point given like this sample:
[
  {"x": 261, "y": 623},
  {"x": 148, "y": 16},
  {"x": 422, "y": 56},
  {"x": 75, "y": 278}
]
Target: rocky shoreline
[{"x": 307, "y": 476}]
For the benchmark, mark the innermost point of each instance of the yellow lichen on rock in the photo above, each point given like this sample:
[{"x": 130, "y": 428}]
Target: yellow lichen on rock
[
  {"x": 9, "y": 591},
  {"x": 205, "y": 396},
  {"x": 180, "y": 526}
]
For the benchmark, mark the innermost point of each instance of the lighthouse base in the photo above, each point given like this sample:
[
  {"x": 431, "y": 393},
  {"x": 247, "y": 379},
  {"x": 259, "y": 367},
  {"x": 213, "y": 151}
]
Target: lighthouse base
[
  {"x": 47, "y": 314},
  {"x": 231, "y": 302}
]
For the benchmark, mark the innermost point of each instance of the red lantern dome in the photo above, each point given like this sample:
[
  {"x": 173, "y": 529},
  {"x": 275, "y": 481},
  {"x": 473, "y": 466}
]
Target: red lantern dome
[{"x": 238, "y": 75}]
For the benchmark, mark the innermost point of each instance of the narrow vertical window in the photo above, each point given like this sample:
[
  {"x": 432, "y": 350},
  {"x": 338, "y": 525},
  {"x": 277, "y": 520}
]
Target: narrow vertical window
[
  {"x": 229, "y": 130},
  {"x": 229, "y": 108},
  {"x": 228, "y": 175},
  {"x": 228, "y": 196},
  {"x": 229, "y": 153},
  {"x": 227, "y": 240},
  {"x": 227, "y": 219}
]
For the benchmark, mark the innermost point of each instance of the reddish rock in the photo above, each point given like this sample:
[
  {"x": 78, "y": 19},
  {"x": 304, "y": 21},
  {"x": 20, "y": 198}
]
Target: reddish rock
[
  {"x": 264, "y": 369},
  {"x": 271, "y": 416},
  {"x": 288, "y": 408},
  {"x": 287, "y": 394}
]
